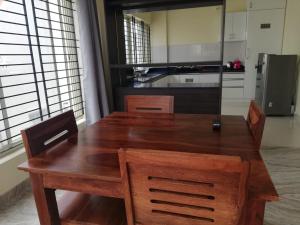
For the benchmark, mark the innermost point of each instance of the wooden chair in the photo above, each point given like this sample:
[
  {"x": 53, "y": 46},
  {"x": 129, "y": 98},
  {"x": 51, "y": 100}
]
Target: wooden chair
[
  {"x": 256, "y": 122},
  {"x": 74, "y": 208},
  {"x": 149, "y": 104},
  {"x": 48, "y": 133},
  {"x": 173, "y": 188}
]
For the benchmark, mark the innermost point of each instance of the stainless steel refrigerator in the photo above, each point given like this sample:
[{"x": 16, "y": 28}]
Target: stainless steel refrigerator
[{"x": 276, "y": 84}]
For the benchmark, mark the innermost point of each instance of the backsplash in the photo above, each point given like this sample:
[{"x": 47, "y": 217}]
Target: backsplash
[
  {"x": 199, "y": 52},
  {"x": 235, "y": 50}
]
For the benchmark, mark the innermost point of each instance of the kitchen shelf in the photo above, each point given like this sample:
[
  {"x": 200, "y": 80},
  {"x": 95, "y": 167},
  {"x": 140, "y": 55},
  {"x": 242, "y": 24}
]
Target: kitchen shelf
[{"x": 201, "y": 63}]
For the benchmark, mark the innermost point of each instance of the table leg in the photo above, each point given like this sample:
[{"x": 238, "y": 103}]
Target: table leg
[
  {"x": 255, "y": 212},
  {"x": 45, "y": 201}
]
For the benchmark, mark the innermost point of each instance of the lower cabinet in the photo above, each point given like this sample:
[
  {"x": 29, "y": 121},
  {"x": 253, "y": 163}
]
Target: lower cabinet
[
  {"x": 233, "y": 93},
  {"x": 233, "y": 83},
  {"x": 233, "y": 86}
]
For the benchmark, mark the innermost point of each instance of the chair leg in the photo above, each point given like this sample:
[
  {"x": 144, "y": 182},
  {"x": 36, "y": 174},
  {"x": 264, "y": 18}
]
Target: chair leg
[
  {"x": 45, "y": 201},
  {"x": 255, "y": 212}
]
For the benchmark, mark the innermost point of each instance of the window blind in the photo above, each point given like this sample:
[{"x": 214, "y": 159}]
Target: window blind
[
  {"x": 137, "y": 40},
  {"x": 40, "y": 68}
]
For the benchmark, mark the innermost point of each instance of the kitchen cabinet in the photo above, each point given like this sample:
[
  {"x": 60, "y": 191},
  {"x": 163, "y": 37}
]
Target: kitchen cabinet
[
  {"x": 233, "y": 86},
  {"x": 233, "y": 93},
  {"x": 264, "y": 35},
  {"x": 266, "y": 4},
  {"x": 235, "y": 26},
  {"x": 233, "y": 83}
]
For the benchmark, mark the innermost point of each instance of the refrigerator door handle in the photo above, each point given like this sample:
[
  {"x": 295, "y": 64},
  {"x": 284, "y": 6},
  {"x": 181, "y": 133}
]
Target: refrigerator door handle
[{"x": 259, "y": 67}]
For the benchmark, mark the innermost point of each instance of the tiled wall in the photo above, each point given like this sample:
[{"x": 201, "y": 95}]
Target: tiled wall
[
  {"x": 199, "y": 52},
  {"x": 235, "y": 50},
  {"x": 159, "y": 54}
]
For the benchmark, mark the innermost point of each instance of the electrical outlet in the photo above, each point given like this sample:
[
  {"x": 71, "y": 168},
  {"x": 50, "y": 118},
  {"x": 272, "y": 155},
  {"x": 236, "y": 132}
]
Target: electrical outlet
[{"x": 293, "y": 109}]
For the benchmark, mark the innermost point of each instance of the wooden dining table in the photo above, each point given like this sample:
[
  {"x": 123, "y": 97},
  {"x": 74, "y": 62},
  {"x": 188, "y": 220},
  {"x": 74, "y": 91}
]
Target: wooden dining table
[{"x": 87, "y": 162}]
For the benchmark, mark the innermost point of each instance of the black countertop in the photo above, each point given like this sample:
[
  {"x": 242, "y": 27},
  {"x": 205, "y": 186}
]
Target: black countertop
[
  {"x": 149, "y": 76},
  {"x": 198, "y": 69}
]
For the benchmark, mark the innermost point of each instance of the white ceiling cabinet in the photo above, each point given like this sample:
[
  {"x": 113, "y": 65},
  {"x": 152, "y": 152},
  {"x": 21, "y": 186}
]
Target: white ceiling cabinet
[
  {"x": 266, "y": 4},
  {"x": 235, "y": 26}
]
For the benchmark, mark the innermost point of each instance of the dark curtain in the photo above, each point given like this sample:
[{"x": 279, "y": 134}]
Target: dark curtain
[{"x": 95, "y": 92}]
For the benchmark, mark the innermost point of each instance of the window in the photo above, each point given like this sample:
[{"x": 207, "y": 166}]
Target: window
[
  {"x": 137, "y": 40},
  {"x": 40, "y": 71}
]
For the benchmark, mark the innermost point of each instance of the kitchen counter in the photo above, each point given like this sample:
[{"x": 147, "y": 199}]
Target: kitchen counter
[
  {"x": 203, "y": 100},
  {"x": 177, "y": 85},
  {"x": 186, "y": 80},
  {"x": 233, "y": 82}
]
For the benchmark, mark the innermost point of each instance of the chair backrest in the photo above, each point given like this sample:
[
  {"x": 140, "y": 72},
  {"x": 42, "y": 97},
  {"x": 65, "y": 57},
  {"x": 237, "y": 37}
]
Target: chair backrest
[
  {"x": 176, "y": 188},
  {"x": 48, "y": 133},
  {"x": 256, "y": 122},
  {"x": 149, "y": 104}
]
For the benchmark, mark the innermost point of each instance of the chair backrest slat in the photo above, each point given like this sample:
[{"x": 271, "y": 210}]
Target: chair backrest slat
[
  {"x": 149, "y": 104},
  {"x": 48, "y": 133},
  {"x": 175, "y": 188},
  {"x": 256, "y": 122}
]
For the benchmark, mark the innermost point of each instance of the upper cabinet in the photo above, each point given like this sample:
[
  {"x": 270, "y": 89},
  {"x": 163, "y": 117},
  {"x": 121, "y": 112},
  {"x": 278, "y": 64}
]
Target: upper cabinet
[
  {"x": 266, "y": 4},
  {"x": 236, "y": 26}
]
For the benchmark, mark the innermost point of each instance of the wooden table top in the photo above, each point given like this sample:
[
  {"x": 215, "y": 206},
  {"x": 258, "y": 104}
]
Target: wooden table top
[{"x": 92, "y": 153}]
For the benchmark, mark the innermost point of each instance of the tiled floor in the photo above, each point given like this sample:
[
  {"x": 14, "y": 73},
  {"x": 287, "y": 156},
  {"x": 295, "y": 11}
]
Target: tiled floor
[
  {"x": 284, "y": 166},
  {"x": 22, "y": 213},
  {"x": 281, "y": 151}
]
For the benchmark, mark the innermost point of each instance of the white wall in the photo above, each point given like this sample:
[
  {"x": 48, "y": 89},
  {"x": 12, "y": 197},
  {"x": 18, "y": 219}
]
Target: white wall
[
  {"x": 159, "y": 37},
  {"x": 191, "y": 34},
  {"x": 236, "y": 5},
  {"x": 10, "y": 176},
  {"x": 146, "y": 16},
  {"x": 291, "y": 39},
  {"x": 194, "y": 26}
]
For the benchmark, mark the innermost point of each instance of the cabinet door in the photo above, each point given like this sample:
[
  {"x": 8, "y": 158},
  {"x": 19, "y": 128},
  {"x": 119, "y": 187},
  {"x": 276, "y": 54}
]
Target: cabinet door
[
  {"x": 232, "y": 93},
  {"x": 265, "y": 35},
  {"x": 235, "y": 26},
  {"x": 233, "y": 84},
  {"x": 229, "y": 27},
  {"x": 240, "y": 76},
  {"x": 209, "y": 78},
  {"x": 239, "y": 26},
  {"x": 235, "y": 81},
  {"x": 266, "y": 4}
]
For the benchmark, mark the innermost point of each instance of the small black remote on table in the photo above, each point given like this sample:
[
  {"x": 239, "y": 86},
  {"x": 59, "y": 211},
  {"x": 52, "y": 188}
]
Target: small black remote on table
[{"x": 216, "y": 125}]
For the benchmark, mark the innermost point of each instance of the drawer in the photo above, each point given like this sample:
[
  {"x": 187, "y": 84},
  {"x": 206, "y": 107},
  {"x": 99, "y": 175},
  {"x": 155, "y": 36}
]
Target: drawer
[
  {"x": 233, "y": 83},
  {"x": 208, "y": 78},
  {"x": 233, "y": 93},
  {"x": 233, "y": 76}
]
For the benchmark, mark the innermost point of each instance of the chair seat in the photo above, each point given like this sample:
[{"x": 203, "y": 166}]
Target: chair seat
[{"x": 84, "y": 209}]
